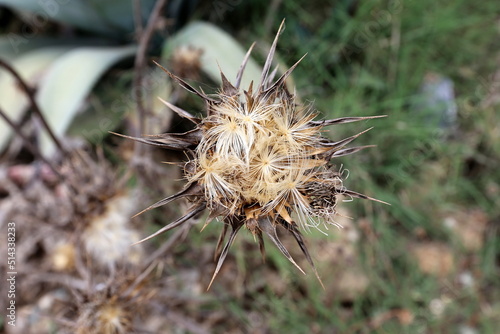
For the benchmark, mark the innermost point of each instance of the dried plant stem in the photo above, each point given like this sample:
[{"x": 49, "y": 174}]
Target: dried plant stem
[
  {"x": 185, "y": 323},
  {"x": 138, "y": 18},
  {"x": 61, "y": 279},
  {"x": 36, "y": 109},
  {"x": 144, "y": 36},
  {"x": 29, "y": 145},
  {"x": 139, "y": 279}
]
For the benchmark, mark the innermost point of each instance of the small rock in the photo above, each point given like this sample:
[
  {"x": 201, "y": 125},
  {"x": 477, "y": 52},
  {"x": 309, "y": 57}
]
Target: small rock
[{"x": 434, "y": 258}]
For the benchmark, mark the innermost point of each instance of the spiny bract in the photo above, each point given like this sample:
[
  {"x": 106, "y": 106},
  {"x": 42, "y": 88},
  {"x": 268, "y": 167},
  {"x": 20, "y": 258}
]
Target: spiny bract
[{"x": 258, "y": 160}]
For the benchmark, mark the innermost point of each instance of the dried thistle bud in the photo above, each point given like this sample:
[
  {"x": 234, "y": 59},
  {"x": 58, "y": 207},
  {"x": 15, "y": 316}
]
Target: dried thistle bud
[
  {"x": 108, "y": 237},
  {"x": 107, "y": 319},
  {"x": 258, "y": 160},
  {"x": 186, "y": 62},
  {"x": 106, "y": 312}
]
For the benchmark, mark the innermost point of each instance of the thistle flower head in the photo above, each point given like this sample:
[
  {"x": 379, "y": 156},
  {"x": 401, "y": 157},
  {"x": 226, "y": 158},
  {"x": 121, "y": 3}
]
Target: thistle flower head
[
  {"x": 258, "y": 159},
  {"x": 108, "y": 237},
  {"x": 106, "y": 318},
  {"x": 109, "y": 307}
]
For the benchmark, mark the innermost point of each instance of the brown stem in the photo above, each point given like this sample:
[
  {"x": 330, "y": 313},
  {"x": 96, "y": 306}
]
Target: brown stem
[
  {"x": 138, "y": 18},
  {"x": 144, "y": 37},
  {"x": 31, "y": 96},
  {"x": 28, "y": 143}
]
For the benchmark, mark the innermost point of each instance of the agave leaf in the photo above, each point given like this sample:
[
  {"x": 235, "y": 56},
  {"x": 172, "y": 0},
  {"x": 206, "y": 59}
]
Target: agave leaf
[
  {"x": 218, "y": 48},
  {"x": 118, "y": 14},
  {"x": 6, "y": 48},
  {"x": 69, "y": 81},
  {"x": 113, "y": 18},
  {"x": 112, "y": 100},
  {"x": 103, "y": 113},
  {"x": 13, "y": 45},
  {"x": 162, "y": 114},
  {"x": 30, "y": 66}
]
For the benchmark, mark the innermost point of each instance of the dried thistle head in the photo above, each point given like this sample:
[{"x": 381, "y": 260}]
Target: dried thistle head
[
  {"x": 186, "y": 62},
  {"x": 258, "y": 159},
  {"x": 110, "y": 317},
  {"x": 108, "y": 236},
  {"x": 110, "y": 307},
  {"x": 87, "y": 207}
]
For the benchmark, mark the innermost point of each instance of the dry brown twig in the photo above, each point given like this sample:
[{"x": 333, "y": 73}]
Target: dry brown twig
[
  {"x": 36, "y": 109},
  {"x": 28, "y": 144},
  {"x": 144, "y": 36}
]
